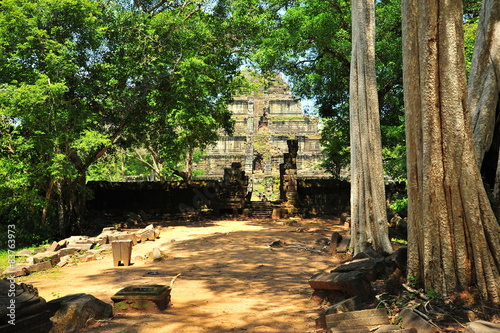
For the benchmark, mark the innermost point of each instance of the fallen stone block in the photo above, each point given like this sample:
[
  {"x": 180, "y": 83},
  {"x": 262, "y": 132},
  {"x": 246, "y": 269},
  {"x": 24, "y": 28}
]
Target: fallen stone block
[
  {"x": 398, "y": 258},
  {"x": 53, "y": 257},
  {"x": 145, "y": 234},
  {"x": 334, "y": 242},
  {"x": 351, "y": 283},
  {"x": 86, "y": 257},
  {"x": 346, "y": 305},
  {"x": 101, "y": 239},
  {"x": 72, "y": 312},
  {"x": 368, "y": 253},
  {"x": 68, "y": 251},
  {"x": 62, "y": 263},
  {"x": 39, "y": 267},
  {"x": 54, "y": 247},
  {"x": 410, "y": 319},
  {"x": 18, "y": 270},
  {"x": 344, "y": 244},
  {"x": 156, "y": 254},
  {"x": 371, "y": 317},
  {"x": 62, "y": 243},
  {"x": 122, "y": 237},
  {"x": 96, "y": 252},
  {"x": 481, "y": 326},
  {"x": 39, "y": 250},
  {"x": 24, "y": 253},
  {"x": 371, "y": 268},
  {"x": 81, "y": 246}
]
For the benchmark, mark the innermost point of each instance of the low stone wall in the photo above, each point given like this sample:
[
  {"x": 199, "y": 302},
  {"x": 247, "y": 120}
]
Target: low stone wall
[
  {"x": 324, "y": 196},
  {"x": 154, "y": 198}
]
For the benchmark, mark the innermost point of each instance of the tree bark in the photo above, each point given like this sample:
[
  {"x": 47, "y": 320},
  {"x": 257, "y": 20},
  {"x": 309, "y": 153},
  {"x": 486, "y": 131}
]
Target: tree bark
[
  {"x": 484, "y": 94},
  {"x": 453, "y": 236},
  {"x": 484, "y": 80},
  {"x": 368, "y": 207}
]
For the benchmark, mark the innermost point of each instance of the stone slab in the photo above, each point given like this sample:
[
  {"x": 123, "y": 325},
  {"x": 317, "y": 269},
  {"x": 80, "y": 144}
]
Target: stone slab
[
  {"x": 481, "y": 326},
  {"x": 24, "y": 253},
  {"x": 371, "y": 317},
  {"x": 68, "y": 251},
  {"x": 81, "y": 246},
  {"x": 411, "y": 319},
  {"x": 343, "y": 246},
  {"x": 346, "y": 305},
  {"x": 351, "y": 283},
  {"x": 141, "y": 294},
  {"x": 52, "y": 256},
  {"x": 42, "y": 266},
  {"x": 54, "y": 247},
  {"x": 372, "y": 268}
]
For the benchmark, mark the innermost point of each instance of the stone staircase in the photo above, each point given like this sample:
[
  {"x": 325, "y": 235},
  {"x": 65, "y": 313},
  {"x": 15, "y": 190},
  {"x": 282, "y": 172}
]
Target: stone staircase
[{"x": 262, "y": 209}]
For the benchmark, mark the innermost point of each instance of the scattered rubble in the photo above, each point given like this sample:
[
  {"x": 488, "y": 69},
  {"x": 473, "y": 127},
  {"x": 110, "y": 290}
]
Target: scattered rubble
[
  {"x": 347, "y": 293},
  {"x": 76, "y": 249}
]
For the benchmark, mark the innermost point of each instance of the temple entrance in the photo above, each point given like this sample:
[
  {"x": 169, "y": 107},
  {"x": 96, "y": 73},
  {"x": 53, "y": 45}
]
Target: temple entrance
[{"x": 257, "y": 165}]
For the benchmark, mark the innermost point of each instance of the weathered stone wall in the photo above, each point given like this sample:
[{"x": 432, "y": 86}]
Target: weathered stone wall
[
  {"x": 117, "y": 198},
  {"x": 324, "y": 196}
]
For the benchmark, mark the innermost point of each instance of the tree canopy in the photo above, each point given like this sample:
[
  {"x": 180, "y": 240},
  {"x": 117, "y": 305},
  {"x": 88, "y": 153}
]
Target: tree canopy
[{"x": 78, "y": 77}]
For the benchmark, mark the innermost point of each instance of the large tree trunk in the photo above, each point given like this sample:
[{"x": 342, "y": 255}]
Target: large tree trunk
[
  {"x": 484, "y": 94},
  {"x": 484, "y": 81},
  {"x": 368, "y": 207},
  {"x": 453, "y": 236}
]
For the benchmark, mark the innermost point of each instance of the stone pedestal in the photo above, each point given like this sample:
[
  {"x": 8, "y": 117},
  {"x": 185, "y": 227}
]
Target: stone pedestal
[
  {"x": 140, "y": 297},
  {"x": 122, "y": 251}
]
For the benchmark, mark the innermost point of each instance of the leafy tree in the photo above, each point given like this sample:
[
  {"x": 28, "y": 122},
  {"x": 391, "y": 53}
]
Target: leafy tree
[
  {"x": 311, "y": 43},
  {"x": 78, "y": 77}
]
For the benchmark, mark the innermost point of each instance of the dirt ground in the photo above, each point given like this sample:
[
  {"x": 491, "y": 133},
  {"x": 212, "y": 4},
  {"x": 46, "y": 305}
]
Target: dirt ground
[{"x": 231, "y": 279}]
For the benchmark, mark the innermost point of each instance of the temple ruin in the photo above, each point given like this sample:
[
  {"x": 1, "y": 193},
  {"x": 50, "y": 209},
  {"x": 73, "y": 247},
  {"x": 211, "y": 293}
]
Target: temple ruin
[{"x": 264, "y": 122}]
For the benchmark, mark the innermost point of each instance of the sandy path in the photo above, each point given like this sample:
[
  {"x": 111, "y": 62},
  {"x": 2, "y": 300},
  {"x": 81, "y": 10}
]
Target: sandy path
[{"x": 231, "y": 281}]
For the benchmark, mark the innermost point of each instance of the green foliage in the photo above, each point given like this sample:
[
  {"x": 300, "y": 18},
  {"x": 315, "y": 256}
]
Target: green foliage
[
  {"x": 399, "y": 204},
  {"x": 79, "y": 77},
  {"x": 335, "y": 140},
  {"x": 399, "y": 241},
  {"x": 309, "y": 41}
]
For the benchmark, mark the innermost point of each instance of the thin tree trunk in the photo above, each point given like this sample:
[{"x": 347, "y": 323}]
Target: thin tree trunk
[
  {"x": 368, "y": 207},
  {"x": 453, "y": 236},
  {"x": 48, "y": 196},
  {"x": 189, "y": 164}
]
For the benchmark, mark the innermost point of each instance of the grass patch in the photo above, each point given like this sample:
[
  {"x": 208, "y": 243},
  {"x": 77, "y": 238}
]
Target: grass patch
[
  {"x": 4, "y": 257},
  {"x": 53, "y": 274}
]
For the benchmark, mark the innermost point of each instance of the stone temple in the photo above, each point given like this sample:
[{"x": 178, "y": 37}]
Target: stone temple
[{"x": 264, "y": 122}]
